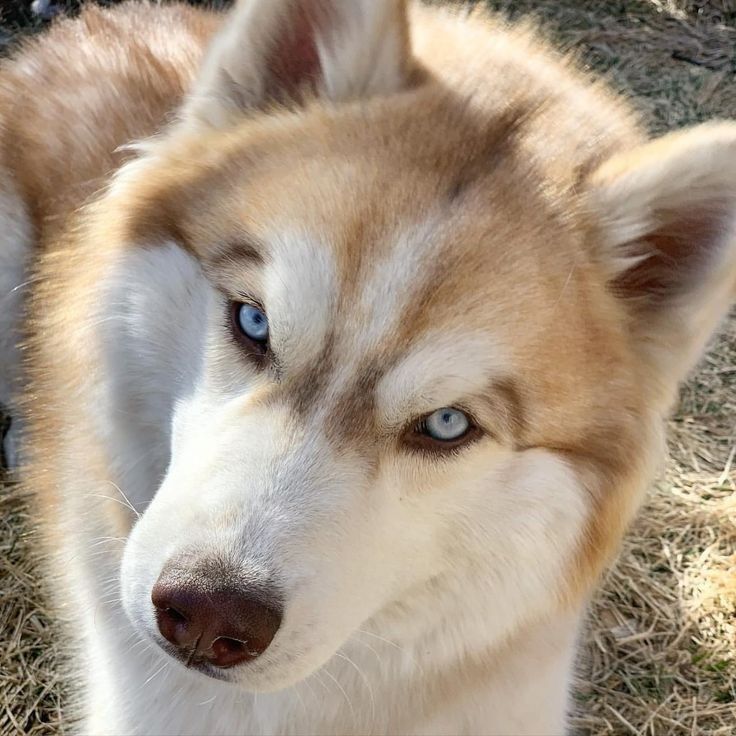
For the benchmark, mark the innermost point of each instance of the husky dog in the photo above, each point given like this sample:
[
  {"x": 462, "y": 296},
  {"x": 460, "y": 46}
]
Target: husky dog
[{"x": 343, "y": 385}]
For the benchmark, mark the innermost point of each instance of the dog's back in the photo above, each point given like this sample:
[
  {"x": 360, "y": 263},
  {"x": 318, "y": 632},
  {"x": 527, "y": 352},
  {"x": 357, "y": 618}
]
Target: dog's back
[{"x": 71, "y": 98}]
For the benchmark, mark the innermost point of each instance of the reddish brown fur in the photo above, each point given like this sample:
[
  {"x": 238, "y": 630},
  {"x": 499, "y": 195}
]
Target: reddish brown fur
[
  {"x": 127, "y": 73},
  {"x": 488, "y": 130}
]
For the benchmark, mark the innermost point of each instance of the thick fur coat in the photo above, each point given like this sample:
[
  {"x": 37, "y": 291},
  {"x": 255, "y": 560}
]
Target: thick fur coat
[{"x": 434, "y": 212}]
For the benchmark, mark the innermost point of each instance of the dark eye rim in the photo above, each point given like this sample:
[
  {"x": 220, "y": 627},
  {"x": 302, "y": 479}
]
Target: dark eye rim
[
  {"x": 416, "y": 438},
  {"x": 255, "y": 348}
]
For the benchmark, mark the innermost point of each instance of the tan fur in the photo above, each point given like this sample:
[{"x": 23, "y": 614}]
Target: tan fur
[
  {"x": 125, "y": 77},
  {"x": 557, "y": 388}
]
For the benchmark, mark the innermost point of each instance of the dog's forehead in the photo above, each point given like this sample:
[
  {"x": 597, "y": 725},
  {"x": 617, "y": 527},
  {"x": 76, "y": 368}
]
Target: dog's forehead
[
  {"x": 370, "y": 240},
  {"x": 396, "y": 258},
  {"x": 385, "y": 214},
  {"x": 396, "y": 194},
  {"x": 365, "y": 234}
]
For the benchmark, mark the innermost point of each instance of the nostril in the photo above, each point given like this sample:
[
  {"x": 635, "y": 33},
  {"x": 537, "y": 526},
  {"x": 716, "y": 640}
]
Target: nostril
[
  {"x": 227, "y": 652},
  {"x": 175, "y": 615},
  {"x": 173, "y": 626},
  {"x": 225, "y": 645}
]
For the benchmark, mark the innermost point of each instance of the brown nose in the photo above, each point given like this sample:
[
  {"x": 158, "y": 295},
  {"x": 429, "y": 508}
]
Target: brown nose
[{"x": 222, "y": 626}]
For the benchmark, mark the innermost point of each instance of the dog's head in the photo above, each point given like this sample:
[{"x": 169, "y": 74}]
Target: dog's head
[{"x": 422, "y": 349}]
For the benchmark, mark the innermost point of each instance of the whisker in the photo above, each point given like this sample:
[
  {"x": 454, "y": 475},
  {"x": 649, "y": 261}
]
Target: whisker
[
  {"x": 17, "y": 288},
  {"x": 319, "y": 680},
  {"x": 345, "y": 695},
  {"x": 380, "y": 638},
  {"x": 365, "y": 682},
  {"x": 404, "y": 651},
  {"x": 155, "y": 674},
  {"x": 125, "y": 502},
  {"x": 105, "y": 540},
  {"x": 369, "y": 647},
  {"x": 308, "y": 684},
  {"x": 301, "y": 700}
]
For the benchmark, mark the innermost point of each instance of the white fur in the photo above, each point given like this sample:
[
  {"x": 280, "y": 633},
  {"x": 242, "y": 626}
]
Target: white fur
[
  {"x": 359, "y": 46},
  {"x": 682, "y": 174},
  {"x": 301, "y": 296},
  {"x": 148, "y": 362},
  {"x": 389, "y": 286},
  {"x": 363, "y": 55},
  {"x": 430, "y": 376}
]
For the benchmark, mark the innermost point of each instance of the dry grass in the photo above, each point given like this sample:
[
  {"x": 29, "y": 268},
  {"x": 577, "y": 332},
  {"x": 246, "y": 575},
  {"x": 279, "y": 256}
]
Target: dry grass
[
  {"x": 30, "y": 685},
  {"x": 660, "y": 657}
]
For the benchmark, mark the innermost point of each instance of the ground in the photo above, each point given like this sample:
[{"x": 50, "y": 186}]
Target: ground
[{"x": 660, "y": 652}]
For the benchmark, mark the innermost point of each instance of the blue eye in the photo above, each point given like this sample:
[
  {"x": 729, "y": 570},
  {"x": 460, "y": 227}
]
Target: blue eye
[
  {"x": 446, "y": 425},
  {"x": 252, "y": 322}
]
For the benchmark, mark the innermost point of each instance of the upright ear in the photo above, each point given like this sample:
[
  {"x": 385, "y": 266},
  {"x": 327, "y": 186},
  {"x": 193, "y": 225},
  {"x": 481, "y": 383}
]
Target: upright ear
[
  {"x": 281, "y": 50},
  {"x": 667, "y": 212}
]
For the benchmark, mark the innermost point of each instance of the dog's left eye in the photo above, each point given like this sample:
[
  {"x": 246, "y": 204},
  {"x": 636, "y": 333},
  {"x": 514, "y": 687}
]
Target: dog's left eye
[
  {"x": 446, "y": 425},
  {"x": 444, "y": 429},
  {"x": 250, "y": 325}
]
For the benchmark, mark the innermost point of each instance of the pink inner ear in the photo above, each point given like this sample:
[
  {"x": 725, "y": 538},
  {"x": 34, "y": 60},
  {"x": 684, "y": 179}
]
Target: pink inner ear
[
  {"x": 677, "y": 253},
  {"x": 294, "y": 61}
]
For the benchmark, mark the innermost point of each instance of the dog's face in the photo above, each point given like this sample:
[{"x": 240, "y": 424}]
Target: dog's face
[
  {"x": 412, "y": 381},
  {"x": 399, "y": 366}
]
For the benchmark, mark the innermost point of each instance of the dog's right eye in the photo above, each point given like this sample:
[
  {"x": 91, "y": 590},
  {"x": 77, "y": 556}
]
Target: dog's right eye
[{"x": 250, "y": 325}]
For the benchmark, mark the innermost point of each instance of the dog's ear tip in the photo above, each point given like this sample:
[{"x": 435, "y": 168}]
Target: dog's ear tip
[
  {"x": 666, "y": 215},
  {"x": 280, "y": 50},
  {"x": 674, "y": 196}
]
